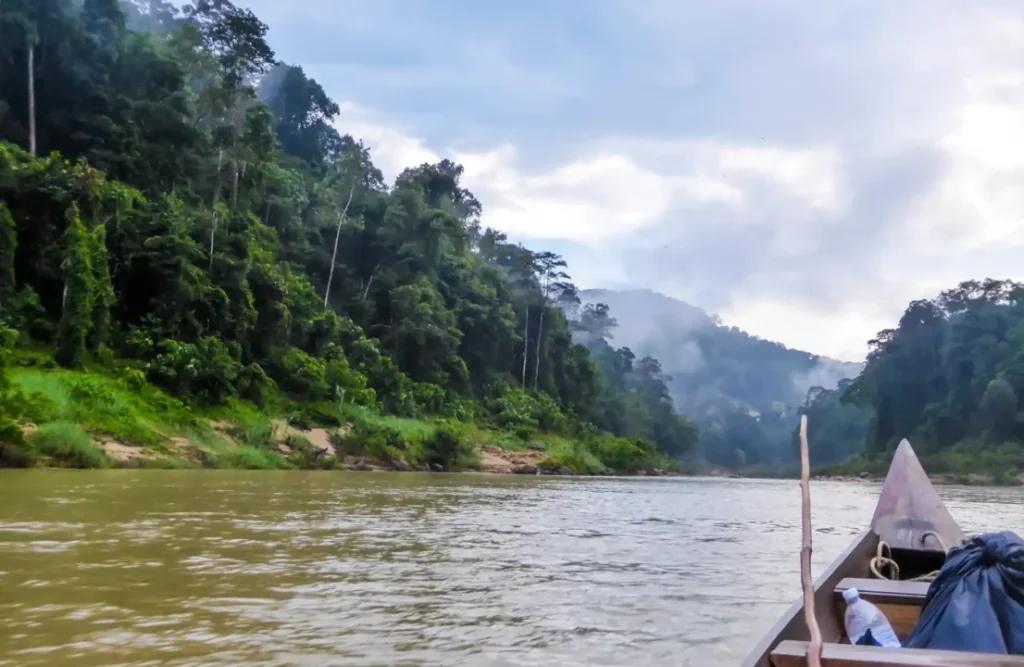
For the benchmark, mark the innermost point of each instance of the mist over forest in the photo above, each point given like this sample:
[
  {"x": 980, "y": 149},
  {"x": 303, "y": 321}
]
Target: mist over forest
[{"x": 744, "y": 392}]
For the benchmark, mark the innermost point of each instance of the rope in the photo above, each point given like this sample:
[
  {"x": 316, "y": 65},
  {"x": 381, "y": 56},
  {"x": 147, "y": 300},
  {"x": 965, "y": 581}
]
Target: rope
[{"x": 884, "y": 567}]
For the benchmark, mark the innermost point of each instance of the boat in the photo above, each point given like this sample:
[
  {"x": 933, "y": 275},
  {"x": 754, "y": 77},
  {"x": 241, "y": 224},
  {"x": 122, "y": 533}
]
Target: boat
[{"x": 890, "y": 564}]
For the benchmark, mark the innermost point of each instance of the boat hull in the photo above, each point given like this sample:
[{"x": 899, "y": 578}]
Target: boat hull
[
  {"x": 852, "y": 563},
  {"x": 911, "y": 519}
]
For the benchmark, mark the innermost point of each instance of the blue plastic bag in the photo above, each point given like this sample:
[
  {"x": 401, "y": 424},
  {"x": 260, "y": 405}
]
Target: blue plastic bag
[{"x": 976, "y": 603}]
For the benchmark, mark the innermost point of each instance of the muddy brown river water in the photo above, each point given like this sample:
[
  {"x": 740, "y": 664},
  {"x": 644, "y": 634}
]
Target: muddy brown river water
[{"x": 310, "y": 568}]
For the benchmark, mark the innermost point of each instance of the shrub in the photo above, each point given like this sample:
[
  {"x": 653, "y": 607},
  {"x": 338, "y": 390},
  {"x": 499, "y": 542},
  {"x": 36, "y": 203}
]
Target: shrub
[
  {"x": 382, "y": 374},
  {"x": 68, "y": 446},
  {"x": 253, "y": 458},
  {"x": 372, "y": 439},
  {"x": 254, "y": 384},
  {"x": 429, "y": 397},
  {"x": 548, "y": 414},
  {"x": 577, "y": 458},
  {"x": 206, "y": 371},
  {"x": 320, "y": 413},
  {"x": 259, "y": 436},
  {"x": 14, "y": 450},
  {"x": 513, "y": 411},
  {"x": 302, "y": 376},
  {"x": 132, "y": 378},
  {"x": 449, "y": 448},
  {"x": 625, "y": 455},
  {"x": 344, "y": 383},
  {"x": 461, "y": 409}
]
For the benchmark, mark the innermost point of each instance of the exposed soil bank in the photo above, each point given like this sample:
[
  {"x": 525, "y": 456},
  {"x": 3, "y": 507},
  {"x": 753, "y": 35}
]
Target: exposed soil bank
[{"x": 493, "y": 459}]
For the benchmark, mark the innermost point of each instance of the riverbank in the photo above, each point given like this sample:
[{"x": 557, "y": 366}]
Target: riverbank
[
  {"x": 292, "y": 447},
  {"x": 947, "y": 479},
  {"x": 966, "y": 464},
  {"x": 88, "y": 419},
  {"x": 854, "y": 476}
]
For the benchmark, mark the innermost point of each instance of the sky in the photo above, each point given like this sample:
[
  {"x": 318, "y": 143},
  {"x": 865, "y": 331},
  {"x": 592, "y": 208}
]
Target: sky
[{"x": 802, "y": 169}]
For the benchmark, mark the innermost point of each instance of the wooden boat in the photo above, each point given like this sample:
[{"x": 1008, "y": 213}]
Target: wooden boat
[{"x": 913, "y": 521}]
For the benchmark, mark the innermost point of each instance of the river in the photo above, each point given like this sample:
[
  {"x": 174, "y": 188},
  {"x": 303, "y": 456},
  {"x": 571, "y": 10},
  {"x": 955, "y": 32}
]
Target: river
[{"x": 310, "y": 568}]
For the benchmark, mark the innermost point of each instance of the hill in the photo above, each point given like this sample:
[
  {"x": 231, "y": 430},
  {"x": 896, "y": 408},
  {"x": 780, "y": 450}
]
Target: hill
[
  {"x": 744, "y": 392},
  {"x": 181, "y": 220}
]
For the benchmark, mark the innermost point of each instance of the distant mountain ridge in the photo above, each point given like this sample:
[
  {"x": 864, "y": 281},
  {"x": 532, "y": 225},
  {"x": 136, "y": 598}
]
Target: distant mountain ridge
[{"x": 744, "y": 391}]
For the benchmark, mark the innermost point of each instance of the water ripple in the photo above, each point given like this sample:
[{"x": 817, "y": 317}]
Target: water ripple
[{"x": 207, "y": 568}]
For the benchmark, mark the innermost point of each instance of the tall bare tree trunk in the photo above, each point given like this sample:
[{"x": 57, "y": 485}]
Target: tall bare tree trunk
[
  {"x": 536, "y": 360},
  {"x": 337, "y": 235},
  {"x": 216, "y": 200},
  {"x": 234, "y": 188},
  {"x": 237, "y": 125},
  {"x": 32, "y": 99},
  {"x": 526, "y": 343},
  {"x": 370, "y": 281}
]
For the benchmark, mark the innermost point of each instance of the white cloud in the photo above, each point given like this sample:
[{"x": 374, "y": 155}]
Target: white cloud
[
  {"x": 841, "y": 332},
  {"x": 983, "y": 194},
  {"x": 589, "y": 200},
  {"x": 809, "y": 175},
  {"x": 908, "y": 178},
  {"x": 607, "y": 196},
  {"x": 393, "y": 149}
]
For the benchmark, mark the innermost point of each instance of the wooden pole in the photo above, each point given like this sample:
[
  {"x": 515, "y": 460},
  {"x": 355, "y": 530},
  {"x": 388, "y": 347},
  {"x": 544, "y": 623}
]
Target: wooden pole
[{"x": 814, "y": 646}]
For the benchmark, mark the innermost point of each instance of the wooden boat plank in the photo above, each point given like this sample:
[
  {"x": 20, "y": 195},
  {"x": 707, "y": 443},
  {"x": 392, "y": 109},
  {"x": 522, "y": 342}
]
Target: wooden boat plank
[
  {"x": 886, "y": 591},
  {"x": 794, "y": 654},
  {"x": 900, "y": 601},
  {"x": 909, "y": 507}
]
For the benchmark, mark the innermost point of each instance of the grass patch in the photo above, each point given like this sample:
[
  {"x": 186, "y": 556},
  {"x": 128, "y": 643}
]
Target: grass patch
[
  {"x": 120, "y": 408},
  {"x": 240, "y": 414},
  {"x": 411, "y": 429},
  {"x": 374, "y": 439},
  {"x": 66, "y": 445},
  {"x": 414, "y": 442},
  {"x": 575, "y": 456},
  {"x": 245, "y": 457},
  {"x": 513, "y": 442}
]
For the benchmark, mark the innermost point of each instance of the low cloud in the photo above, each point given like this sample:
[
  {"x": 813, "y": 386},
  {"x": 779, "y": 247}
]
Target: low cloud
[{"x": 826, "y": 373}]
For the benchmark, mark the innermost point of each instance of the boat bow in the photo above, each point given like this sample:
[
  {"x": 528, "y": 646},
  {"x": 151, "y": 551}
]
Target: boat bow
[{"x": 910, "y": 514}]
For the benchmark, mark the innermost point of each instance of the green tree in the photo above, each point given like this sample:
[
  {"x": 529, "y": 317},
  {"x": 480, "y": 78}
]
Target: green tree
[
  {"x": 103, "y": 297},
  {"x": 8, "y": 246},
  {"x": 76, "y": 320},
  {"x": 216, "y": 213},
  {"x": 999, "y": 408}
]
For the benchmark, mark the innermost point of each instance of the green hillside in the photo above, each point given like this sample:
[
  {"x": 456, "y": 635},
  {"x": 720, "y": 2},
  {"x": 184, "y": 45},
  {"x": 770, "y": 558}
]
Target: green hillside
[{"x": 183, "y": 232}]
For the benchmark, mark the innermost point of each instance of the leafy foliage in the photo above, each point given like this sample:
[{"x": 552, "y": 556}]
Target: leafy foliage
[
  {"x": 13, "y": 449},
  {"x": 67, "y": 446},
  {"x": 191, "y": 216},
  {"x": 948, "y": 377},
  {"x": 951, "y": 371}
]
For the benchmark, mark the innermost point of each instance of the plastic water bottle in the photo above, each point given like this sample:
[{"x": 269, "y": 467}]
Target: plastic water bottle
[{"x": 862, "y": 616}]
